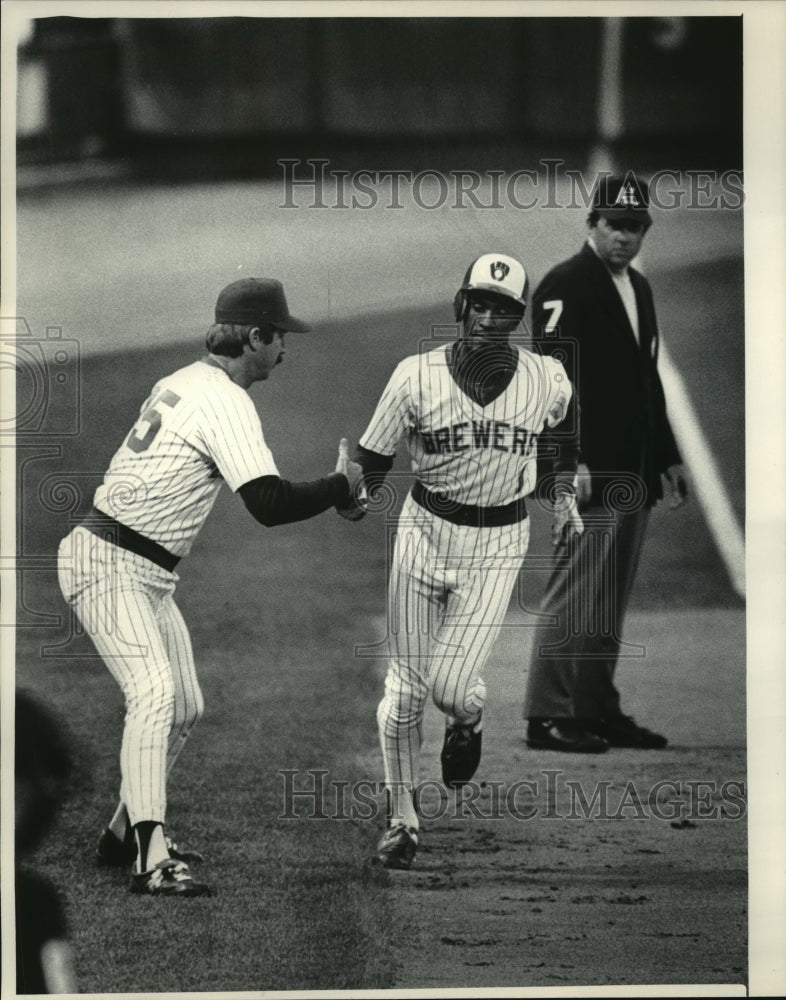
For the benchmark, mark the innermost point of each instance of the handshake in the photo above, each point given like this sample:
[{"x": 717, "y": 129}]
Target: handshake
[{"x": 356, "y": 508}]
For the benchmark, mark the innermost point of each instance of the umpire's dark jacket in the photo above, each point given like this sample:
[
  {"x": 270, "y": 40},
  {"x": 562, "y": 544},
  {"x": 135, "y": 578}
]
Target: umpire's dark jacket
[{"x": 623, "y": 425}]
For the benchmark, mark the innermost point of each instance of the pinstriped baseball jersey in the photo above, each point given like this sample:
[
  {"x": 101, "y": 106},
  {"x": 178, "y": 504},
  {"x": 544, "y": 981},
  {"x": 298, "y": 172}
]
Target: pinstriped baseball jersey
[
  {"x": 449, "y": 585},
  {"x": 196, "y": 429},
  {"x": 480, "y": 455}
]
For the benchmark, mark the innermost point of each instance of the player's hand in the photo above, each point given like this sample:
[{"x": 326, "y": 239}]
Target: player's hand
[
  {"x": 352, "y": 513},
  {"x": 583, "y": 484},
  {"x": 567, "y": 522},
  {"x": 356, "y": 508},
  {"x": 678, "y": 485}
]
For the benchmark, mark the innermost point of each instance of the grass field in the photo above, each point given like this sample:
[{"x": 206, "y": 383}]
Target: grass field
[{"x": 276, "y": 615}]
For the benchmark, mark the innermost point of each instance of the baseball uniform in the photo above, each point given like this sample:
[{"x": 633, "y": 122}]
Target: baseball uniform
[
  {"x": 462, "y": 533},
  {"x": 196, "y": 430}
]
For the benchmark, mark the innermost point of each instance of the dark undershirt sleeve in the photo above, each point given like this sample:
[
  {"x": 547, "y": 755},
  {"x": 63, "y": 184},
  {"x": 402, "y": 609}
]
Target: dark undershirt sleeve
[
  {"x": 273, "y": 501},
  {"x": 564, "y": 440},
  {"x": 568, "y": 445},
  {"x": 375, "y": 467}
]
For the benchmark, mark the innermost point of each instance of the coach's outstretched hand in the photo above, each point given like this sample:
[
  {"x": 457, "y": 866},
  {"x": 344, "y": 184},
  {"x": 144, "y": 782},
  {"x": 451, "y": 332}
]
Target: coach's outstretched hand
[
  {"x": 350, "y": 469},
  {"x": 354, "y": 473}
]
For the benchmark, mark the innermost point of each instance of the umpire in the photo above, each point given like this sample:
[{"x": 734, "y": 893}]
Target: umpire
[{"x": 596, "y": 313}]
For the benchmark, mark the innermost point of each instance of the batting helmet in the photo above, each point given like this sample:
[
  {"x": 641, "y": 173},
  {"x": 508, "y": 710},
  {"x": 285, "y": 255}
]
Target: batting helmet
[{"x": 497, "y": 273}]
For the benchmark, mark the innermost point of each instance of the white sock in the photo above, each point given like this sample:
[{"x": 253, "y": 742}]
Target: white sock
[
  {"x": 156, "y": 849},
  {"x": 401, "y": 809}
]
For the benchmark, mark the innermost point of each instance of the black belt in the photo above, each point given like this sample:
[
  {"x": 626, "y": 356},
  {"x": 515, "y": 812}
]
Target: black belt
[
  {"x": 467, "y": 515},
  {"x": 110, "y": 530}
]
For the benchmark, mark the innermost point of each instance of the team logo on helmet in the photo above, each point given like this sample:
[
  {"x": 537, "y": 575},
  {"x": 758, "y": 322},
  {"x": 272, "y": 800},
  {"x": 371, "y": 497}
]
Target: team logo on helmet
[{"x": 499, "y": 270}]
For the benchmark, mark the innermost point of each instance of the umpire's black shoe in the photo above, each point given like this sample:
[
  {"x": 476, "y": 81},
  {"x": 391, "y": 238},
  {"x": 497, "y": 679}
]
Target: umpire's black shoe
[
  {"x": 461, "y": 753},
  {"x": 567, "y": 735},
  {"x": 168, "y": 878},
  {"x": 622, "y": 731},
  {"x": 112, "y": 852},
  {"x": 397, "y": 848}
]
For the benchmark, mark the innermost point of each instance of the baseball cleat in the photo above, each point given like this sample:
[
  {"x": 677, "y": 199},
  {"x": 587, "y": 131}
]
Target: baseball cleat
[
  {"x": 189, "y": 857},
  {"x": 565, "y": 735},
  {"x": 112, "y": 852},
  {"x": 168, "y": 878},
  {"x": 397, "y": 848},
  {"x": 460, "y": 753}
]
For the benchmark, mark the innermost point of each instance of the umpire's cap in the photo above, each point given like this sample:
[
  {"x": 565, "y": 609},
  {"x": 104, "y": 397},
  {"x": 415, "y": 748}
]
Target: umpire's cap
[
  {"x": 625, "y": 197},
  {"x": 494, "y": 272},
  {"x": 257, "y": 300}
]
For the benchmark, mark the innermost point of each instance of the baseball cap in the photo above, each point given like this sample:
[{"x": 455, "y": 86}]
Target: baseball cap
[
  {"x": 625, "y": 197},
  {"x": 498, "y": 273},
  {"x": 257, "y": 300}
]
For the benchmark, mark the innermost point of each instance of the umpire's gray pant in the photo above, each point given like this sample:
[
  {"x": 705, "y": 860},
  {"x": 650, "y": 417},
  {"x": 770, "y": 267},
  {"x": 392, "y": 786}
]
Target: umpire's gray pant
[{"x": 576, "y": 647}]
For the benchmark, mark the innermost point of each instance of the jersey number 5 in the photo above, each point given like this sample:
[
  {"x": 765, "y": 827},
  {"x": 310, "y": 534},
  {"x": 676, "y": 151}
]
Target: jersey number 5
[{"x": 152, "y": 417}]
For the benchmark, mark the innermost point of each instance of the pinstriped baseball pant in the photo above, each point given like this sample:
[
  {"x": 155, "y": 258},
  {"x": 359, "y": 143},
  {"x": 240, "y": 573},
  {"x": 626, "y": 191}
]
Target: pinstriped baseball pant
[
  {"x": 125, "y": 604},
  {"x": 448, "y": 592}
]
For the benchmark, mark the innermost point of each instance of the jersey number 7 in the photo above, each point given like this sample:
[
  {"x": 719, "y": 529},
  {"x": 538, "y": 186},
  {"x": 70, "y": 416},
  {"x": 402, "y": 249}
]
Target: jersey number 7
[{"x": 555, "y": 307}]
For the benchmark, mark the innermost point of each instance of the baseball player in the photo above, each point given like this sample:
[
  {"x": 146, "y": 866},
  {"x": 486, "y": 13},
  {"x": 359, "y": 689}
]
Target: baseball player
[
  {"x": 197, "y": 429},
  {"x": 471, "y": 412}
]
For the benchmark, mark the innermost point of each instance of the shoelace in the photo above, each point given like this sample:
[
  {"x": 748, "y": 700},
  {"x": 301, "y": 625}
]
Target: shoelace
[
  {"x": 177, "y": 871},
  {"x": 157, "y": 878},
  {"x": 180, "y": 872}
]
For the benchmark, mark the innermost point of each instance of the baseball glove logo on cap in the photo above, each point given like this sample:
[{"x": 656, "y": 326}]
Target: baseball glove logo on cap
[
  {"x": 499, "y": 270},
  {"x": 497, "y": 273},
  {"x": 257, "y": 300}
]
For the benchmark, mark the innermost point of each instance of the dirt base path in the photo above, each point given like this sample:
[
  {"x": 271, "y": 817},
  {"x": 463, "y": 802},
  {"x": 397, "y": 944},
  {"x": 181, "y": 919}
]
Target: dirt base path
[{"x": 645, "y": 885}]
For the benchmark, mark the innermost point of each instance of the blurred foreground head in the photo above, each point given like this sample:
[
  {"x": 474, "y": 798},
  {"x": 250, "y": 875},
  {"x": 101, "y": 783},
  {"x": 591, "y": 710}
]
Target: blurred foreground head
[{"x": 43, "y": 766}]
